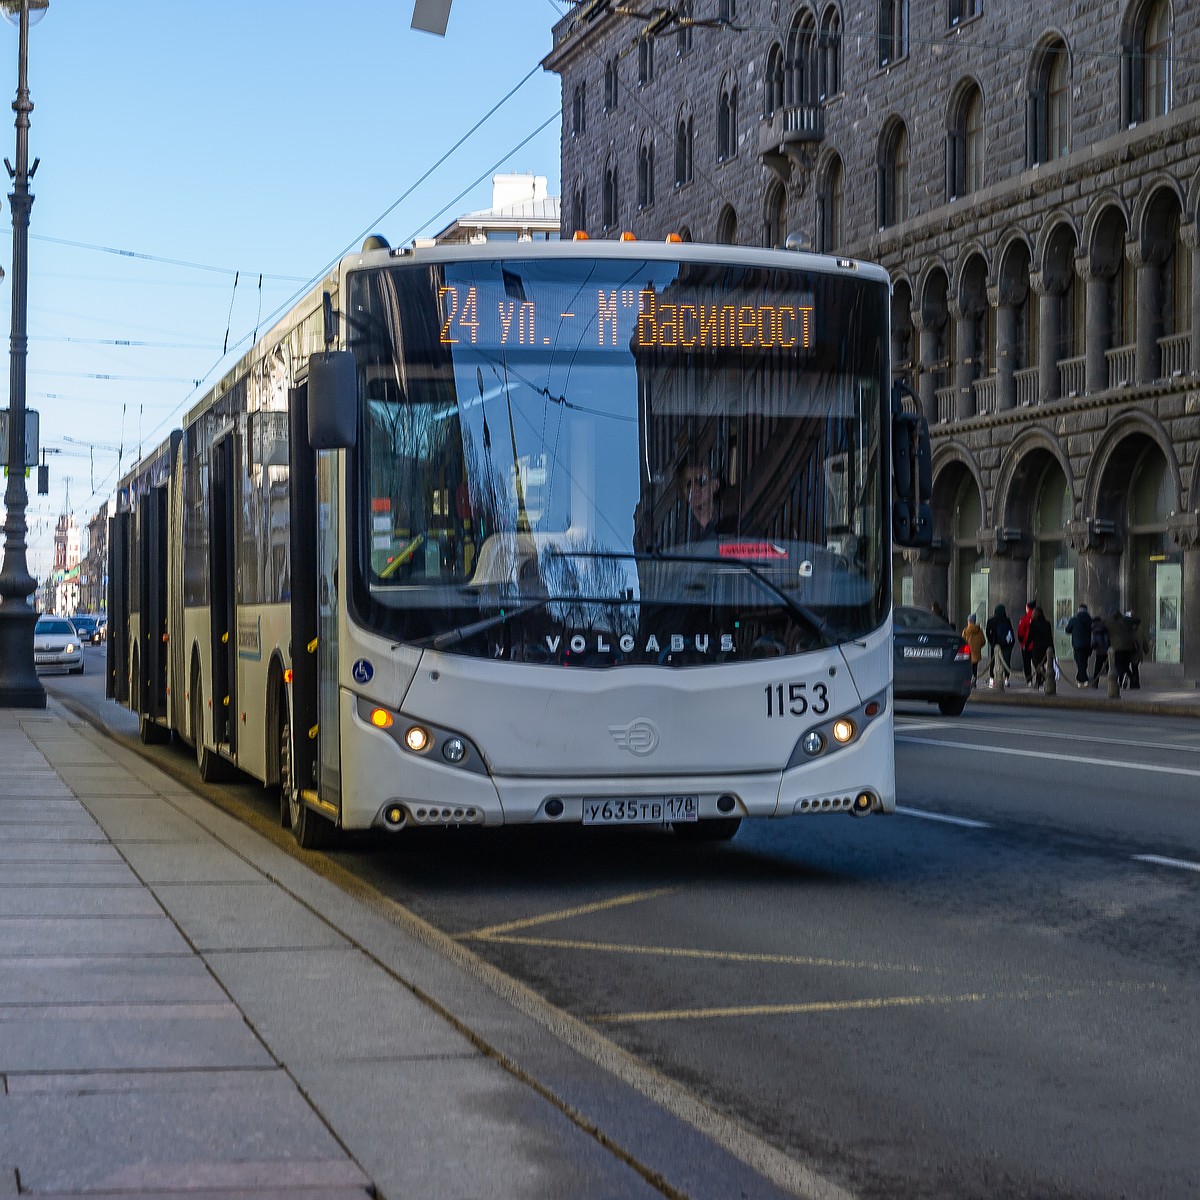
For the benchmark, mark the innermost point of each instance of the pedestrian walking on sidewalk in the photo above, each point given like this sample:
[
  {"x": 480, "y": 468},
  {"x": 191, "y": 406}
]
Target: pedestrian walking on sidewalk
[
  {"x": 1041, "y": 643},
  {"x": 1100, "y": 649},
  {"x": 1140, "y": 649},
  {"x": 974, "y": 637},
  {"x": 1023, "y": 640},
  {"x": 1000, "y": 639},
  {"x": 1120, "y": 638},
  {"x": 1080, "y": 629},
  {"x": 939, "y": 612}
]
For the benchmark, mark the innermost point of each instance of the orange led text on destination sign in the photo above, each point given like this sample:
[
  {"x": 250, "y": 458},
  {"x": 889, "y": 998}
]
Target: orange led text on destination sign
[{"x": 676, "y": 326}]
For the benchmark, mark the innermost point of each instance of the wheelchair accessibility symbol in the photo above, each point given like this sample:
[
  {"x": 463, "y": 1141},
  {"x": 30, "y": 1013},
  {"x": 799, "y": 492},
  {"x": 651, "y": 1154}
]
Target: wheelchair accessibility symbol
[{"x": 362, "y": 671}]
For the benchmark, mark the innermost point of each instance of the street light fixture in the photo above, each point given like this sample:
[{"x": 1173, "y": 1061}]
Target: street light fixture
[{"x": 19, "y": 684}]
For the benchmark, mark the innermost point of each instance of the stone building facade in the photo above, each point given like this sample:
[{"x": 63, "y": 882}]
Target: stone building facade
[{"x": 1029, "y": 173}]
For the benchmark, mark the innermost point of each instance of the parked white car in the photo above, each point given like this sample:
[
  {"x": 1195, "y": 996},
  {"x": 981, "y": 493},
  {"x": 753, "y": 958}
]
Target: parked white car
[{"x": 56, "y": 644}]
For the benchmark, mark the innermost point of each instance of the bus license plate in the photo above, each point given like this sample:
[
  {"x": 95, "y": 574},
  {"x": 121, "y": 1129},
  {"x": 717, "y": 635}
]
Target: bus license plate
[{"x": 641, "y": 810}]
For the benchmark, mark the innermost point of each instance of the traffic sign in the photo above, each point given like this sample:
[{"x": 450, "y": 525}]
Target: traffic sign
[{"x": 31, "y": 437}]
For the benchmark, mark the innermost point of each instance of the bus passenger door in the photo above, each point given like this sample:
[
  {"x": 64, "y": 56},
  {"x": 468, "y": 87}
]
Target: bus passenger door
[
  {"x": 152, "y": 604},
  {"x": 312, "y": 477},
  {"x": 116, "y": 652},
  {"x": 222, "y": 563}
]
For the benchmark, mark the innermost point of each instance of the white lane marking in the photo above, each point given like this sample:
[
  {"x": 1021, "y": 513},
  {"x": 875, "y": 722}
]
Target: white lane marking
[
  {"x": 1087, "y": 760},
  {"x": 966, "y": 822},
  {"x": 1020, "y": 731},
  {"x": 1159, "y": 861},
  {"x": 901, "y": 723}
]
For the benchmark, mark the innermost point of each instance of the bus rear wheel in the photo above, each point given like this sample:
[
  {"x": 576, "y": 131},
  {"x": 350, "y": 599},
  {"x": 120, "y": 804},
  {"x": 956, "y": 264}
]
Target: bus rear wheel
[
  {"x": 311, "y": 831},
  {"x": 718, "y": 829}
]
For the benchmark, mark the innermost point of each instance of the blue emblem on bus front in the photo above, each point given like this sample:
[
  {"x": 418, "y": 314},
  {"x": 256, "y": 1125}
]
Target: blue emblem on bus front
[{"x": 362, "y": 671}]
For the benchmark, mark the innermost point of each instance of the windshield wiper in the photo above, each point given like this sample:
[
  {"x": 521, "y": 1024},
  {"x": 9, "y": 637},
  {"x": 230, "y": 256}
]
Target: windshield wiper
[
  {"x": 454, "y": 637},
  {"x": 815, "y": 623}
]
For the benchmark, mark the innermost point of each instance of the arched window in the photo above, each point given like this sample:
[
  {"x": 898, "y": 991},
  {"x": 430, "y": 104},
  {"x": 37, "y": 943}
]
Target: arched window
[
  {"x": 829, "y": 54},
  {"x": 645, "y": 179},
  {"x": 800, "y": 83},
  {"x": 683, "y": 37},
  {"x": 579, "y": 109},
  {"x": 684, "y": 147},
  {"x": 727, "y": 226},
  {"x": 579, "y": 211},
  {"x": 775, "y": 216},
  {"x": 831, "y": 206},
  {"x": 727, "y": 121},
  {"x": 893, "y": 31},
  {"x": 964, "y": 150},
  {"x": 773, "y": 83},
  {"x": 1048, "y": 131},
  {"x": 893, "y": 175},
  {"x": 611, "y": 196},
  {"x": 1146, "y": 61},
  {"x": 645, "y": 61},
  {"x": 610, "y": 85}
]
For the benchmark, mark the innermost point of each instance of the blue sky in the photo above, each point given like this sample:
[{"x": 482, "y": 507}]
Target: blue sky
[{"x": 254, "y": 136}]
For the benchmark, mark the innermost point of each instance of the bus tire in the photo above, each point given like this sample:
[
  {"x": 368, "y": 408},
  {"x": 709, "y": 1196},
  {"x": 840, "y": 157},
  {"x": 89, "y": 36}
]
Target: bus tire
[
  {"x": 717, "y": 829},
  {"x": 310, "y": 829},
  {"x": 208, "y": 762}
]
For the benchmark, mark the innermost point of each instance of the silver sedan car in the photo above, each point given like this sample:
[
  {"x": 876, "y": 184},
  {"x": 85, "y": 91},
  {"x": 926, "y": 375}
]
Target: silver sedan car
[{"x": 56, "y": 644}]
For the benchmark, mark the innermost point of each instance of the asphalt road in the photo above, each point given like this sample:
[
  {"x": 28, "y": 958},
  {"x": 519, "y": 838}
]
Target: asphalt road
[{"x": 994, "y": 993}]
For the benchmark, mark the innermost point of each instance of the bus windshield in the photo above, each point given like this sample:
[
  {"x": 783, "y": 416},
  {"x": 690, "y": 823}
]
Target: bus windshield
[{"x": 597, "y": 462}]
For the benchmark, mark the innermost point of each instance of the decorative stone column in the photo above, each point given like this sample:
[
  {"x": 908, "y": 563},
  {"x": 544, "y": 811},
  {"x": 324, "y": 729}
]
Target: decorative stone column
[
  {"x": 1098, "y": 577},
  {"x": 1097, "y": 325},
  {"x": 926, "y": 334},
  {"x": 964, "y": 361},
  {"x": 1008, "y": 553},
  {"x": 931, "y": 576},
  {"x": 1006, "y": 347},
  {"x": 1184, "y": 528},
  {"x": 1049, "y": 325},
  {"x": 1191, "y": 239},
  {"x": 1148, "y": 360}
]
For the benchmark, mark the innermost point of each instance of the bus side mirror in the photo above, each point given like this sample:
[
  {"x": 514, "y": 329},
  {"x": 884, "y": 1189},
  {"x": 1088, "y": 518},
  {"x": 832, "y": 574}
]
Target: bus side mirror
[
  {"x": 912, "y": 474},
  {"x": 332, "y": 400}
]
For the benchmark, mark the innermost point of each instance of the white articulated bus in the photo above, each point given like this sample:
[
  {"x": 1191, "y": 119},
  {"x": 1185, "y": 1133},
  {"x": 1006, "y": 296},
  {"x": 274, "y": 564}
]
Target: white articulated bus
[{"x": 590, "y": 532}]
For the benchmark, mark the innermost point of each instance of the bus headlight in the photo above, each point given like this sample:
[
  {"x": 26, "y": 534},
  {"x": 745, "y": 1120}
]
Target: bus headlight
[
  {"x": 453, "y": 750},
  {"x": 834, "y": 733},
  {"x": 414, "y": 735},
  {"x": 416, "y": 739}
]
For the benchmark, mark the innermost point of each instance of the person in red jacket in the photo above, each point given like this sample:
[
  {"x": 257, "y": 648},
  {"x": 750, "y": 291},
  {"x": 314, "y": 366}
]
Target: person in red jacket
[{"x": 1027, "y": 659}]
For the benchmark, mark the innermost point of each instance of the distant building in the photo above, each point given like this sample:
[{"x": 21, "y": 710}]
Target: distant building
[
  {"x": 521, "y": 211},
  {"x": 1028, "y": 174}
]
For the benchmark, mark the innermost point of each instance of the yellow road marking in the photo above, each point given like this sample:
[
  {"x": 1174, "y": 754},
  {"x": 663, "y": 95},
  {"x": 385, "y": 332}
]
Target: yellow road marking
[
  {"x": 564, "y": 914},
  {"x": 833, "y": 1006},
  {"x": 784, "y": 1010},
  {"x": 738, "y": 956}
]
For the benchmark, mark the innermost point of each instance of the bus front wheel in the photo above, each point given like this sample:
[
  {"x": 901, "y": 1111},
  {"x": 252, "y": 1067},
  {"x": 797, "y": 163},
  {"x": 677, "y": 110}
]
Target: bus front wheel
[{"x": 311, "y": 831}]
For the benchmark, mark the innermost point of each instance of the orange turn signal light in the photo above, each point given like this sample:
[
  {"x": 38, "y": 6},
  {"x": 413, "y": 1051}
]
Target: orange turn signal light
[{"x": 381, "y": 718}]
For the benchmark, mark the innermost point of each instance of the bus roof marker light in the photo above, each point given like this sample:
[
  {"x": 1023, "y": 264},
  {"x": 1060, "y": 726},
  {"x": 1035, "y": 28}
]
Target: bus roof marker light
[
  {"x": 417, "y": 739},
  {"x": 628, "y": 236},
  {"x": 672, "y": 238},
  {"x": 579, "y": 236}
]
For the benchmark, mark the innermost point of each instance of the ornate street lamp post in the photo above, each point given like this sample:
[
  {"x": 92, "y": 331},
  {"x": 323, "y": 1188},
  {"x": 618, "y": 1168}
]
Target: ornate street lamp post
[{"x": 19, "y": 684}]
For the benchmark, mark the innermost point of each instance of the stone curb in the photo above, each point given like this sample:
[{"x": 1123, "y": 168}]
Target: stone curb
[{"x": 1032, "y": 699}]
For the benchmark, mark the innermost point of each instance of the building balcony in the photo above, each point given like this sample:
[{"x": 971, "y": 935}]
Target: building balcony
[
  {"x": 787, "y": 136},
  {"x": 1176, "y": 351}
]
